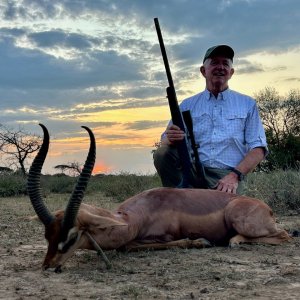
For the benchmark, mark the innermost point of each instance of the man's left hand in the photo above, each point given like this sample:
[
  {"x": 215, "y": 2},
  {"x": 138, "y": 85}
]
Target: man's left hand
[{"x": 228, "y": 183}]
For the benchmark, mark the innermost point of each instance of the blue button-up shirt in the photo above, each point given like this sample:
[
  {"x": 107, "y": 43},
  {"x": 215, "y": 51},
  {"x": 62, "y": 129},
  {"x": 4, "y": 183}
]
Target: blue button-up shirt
[{"x": 226, "y": 128}]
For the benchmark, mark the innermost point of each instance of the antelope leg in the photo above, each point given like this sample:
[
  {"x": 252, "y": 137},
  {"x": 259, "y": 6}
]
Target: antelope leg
[
  {"x": 184, "y": 243},
  {"x": 99, "y": 250}
]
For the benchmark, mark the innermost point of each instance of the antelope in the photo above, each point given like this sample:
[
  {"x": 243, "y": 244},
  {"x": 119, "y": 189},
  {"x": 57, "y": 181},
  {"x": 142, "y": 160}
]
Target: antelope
[{"x": 158, "y": 218}]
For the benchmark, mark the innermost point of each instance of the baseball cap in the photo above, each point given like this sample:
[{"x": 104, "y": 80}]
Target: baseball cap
[{"x": 222, "y": 50}]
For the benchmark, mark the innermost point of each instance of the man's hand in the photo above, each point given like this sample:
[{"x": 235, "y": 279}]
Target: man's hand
[
  {"x": 174, "y": 134},
  {"x": 228, "y": 183}
]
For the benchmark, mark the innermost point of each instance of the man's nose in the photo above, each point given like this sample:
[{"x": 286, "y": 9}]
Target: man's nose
[{"x": 220, "y": 66}]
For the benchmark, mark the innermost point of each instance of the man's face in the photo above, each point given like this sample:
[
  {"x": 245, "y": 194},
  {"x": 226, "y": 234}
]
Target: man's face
[{"x": 217, "y": 71}]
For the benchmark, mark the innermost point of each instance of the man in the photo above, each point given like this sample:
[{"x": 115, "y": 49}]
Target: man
[{"x": 227, "y": 128}]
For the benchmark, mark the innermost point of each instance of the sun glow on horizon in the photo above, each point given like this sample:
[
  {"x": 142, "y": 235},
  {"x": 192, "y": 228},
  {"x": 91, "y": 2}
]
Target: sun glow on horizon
[{"x": 102, "y": 168}]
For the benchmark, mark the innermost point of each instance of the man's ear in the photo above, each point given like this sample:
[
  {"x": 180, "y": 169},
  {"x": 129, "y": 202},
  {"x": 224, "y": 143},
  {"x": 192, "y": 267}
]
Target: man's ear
[
  {"x": 202, "y": 71},
  {"x": 231, "y": 72}
]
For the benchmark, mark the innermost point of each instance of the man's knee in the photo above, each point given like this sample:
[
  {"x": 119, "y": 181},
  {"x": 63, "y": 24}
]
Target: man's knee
[
  {"x": 160, "y": 155},
  {"x": 166, "y": 156},
  {"x": 166, "y": 162}
]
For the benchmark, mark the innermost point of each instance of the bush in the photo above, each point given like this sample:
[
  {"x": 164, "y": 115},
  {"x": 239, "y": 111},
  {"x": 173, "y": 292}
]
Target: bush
[
  {"x": 124, "y": 185},
  {"x": 119, "y": 187},
  {"x": 12, "y": 184},
  {"x": 279, "y": 189},
  {"x": 58, "y": 184},
  {"x": 280, "y": 116}
]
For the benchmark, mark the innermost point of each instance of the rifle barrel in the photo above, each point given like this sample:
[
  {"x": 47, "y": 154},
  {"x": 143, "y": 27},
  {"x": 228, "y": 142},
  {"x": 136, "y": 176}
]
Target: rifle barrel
[
  {"x": 163, "y": 53},
  {"x": 177, "y": 119}
]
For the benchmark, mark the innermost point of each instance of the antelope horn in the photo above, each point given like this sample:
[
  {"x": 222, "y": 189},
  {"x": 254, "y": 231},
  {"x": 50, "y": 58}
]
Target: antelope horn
[
  {"x": 33, "y": 181},
  {"x": 77, "y": 195}
]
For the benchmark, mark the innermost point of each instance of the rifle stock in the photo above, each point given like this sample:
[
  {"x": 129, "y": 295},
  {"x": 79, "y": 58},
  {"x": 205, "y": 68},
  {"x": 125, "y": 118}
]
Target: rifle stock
[{"x": 187, "y": 164}]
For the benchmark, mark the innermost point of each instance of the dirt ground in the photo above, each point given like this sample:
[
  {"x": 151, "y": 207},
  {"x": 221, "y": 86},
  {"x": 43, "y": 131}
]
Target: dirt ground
[{"x": 248, "y": 272}]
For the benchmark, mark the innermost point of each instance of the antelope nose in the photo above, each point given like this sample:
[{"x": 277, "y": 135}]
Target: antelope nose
[{"x": 58, "y": 269}]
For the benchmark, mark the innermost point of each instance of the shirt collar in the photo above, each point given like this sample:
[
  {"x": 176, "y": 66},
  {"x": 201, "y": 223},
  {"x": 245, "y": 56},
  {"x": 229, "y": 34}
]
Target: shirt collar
[{"x": 222, "y": 96}]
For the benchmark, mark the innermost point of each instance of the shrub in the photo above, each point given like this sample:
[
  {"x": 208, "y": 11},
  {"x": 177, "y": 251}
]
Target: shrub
[
  {"x": 58, "y": 184},
  {"x": 280, "y": 116},
  {"x": 279, "y": 189},
  {"x": 12, "y": 184},
  {"x": 123, "y": 185}
]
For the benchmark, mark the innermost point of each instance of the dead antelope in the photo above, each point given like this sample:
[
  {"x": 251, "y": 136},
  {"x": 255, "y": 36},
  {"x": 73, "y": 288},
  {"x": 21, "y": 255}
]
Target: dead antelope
[{"x": 157, "y": 218}]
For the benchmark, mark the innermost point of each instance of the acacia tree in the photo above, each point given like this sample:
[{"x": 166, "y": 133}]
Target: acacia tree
[
  {"x": 16, "y": 146},
  {"x": 280, "y": 116},
  {"x": 73, "y": 168}
]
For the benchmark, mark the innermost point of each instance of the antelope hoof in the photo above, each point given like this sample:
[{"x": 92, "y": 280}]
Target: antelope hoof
[
  {"x": 235, "y": 242},
  {"x": 201, "y": 243},
  {"x": 233, "y": 245}
]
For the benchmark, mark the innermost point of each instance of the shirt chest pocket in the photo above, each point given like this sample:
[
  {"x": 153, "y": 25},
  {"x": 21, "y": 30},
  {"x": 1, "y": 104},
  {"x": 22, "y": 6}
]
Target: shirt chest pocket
[
  {"x": 202, "y": 126},
  {"x": 235, "y": 123}
]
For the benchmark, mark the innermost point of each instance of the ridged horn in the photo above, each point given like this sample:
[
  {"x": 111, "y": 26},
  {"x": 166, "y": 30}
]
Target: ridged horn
[
  {"x": 33, "y": 181},
  {"x": 77, "y": 195}
]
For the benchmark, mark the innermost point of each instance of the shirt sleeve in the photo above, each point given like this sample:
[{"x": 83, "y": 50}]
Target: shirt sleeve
[{"x": 254, "y": 131}]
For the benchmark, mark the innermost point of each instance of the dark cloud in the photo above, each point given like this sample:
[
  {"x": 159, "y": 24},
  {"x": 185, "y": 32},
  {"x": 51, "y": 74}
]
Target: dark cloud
[
  {"x": 143, "y": 125},
  {"x": 12, "y": 32},
  {"x": 244, "y": 66},
  {"x": 293, "y": 79},
  {"x": 114, "y": 137},
  {"x": 33, "y": 69},
  {"x": 83, "y": 111},
  {"x": 58, "y": 129},
  {"x": 59, "y": 38},
  {"x": 30, "y": 9},
  {"x": 70, "y": 128}
]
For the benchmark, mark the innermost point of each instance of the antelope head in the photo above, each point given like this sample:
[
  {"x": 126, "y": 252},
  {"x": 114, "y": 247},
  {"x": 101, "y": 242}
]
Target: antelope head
[{"x": 62, "y": 231}]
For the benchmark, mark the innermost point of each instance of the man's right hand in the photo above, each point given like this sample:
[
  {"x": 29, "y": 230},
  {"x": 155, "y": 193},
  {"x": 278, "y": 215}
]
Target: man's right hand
[{"x": 174, "y": 134}]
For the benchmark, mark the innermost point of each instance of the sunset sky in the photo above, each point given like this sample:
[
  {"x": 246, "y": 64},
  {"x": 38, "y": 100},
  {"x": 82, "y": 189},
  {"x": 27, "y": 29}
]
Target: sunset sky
[{"x": 68, "y": 63}]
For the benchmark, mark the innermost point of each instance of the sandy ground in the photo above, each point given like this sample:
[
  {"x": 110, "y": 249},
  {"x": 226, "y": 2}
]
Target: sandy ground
[{"x": 247, "y": 272}]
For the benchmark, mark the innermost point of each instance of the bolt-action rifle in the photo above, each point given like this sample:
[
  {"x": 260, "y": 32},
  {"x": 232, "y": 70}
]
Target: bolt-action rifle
[{"x": 190, "y": 167}]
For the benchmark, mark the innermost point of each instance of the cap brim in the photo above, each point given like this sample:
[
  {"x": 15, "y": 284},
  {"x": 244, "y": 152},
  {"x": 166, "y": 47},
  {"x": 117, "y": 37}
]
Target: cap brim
[{"x": 221, "y": 50}]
